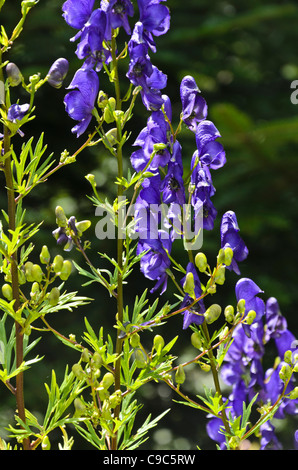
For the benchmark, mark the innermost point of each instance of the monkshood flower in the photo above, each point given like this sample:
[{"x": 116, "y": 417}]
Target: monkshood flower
[
  {"x": 117, "y": 13},
  {"x": 155, "y": 262},
  {"x": 142, "y": 73},
  {"x": 155, "y": 132},
  {"x": 155, "y": 20},
  {"x": 91, "y": 37},
  {"x": 16, "y": 112},
  {"x": 203, "y": 191},
  {"x": 58, "y": 72},
  {"x": 229, "y": 234},
  {"x": 196, "y": 313},
  {"x": 77, "y": 12},
  {"x": 248, "y": 290},
  {"x": 194, "y": 107},
  {"x": 210, "y": 152},
  {"x": 79, "y": 102},
  {"x": 172, "y": 187}
]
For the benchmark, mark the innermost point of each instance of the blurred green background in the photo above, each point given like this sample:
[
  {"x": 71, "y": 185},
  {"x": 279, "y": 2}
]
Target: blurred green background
[{"x": 244, "y": 58}]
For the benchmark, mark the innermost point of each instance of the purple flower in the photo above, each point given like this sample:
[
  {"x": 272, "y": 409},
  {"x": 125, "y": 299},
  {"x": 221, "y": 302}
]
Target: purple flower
[
  {"x": 79, "y": 102},
  {"x": 276, "y": 323},
  {"x": 210, "y": 152},
  {"x": 77, "y": 12},
  {"x": 196, "y": 313},
  {"x": 155, "y": 263},
  {"x": 91, "y": 41},
  {"x": 58, "y": 72},
  {"x": 142, "y": 73},
  {"x": 194, "y": 107},
  {"x": 172, "y": 187},
  {"x": 16, "y": 112},
  {"x": 156, "y": 132},
  {"x": 155, "y": 20},
  {"x": 117, "y": 13},
  {"x": 248, "y": 290},
  {"x": 229, "y": 233},
  {"x": 203, "y": 191}
]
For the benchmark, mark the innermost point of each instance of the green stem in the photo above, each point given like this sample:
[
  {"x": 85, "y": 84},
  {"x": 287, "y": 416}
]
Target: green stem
[
  {"x": 11, "y": 210},
  {"x": 215, "y": 377},
  {"x": 119, "y": 341},
  {"x": 19, "y": 393}
]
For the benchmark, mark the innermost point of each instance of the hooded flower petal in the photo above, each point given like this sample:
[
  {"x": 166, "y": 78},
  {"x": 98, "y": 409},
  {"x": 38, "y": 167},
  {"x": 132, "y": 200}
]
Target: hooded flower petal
[
  {"x": 194, "y": 107},
  {"x": 229, "y": 233},
  {"x": 79, "y": 102},
  {"x": 77, "y": 12}
]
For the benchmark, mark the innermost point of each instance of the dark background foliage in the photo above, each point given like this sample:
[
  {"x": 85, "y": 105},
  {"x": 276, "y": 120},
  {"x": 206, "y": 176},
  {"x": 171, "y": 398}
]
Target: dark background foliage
[{"x": 244, "y": 58}]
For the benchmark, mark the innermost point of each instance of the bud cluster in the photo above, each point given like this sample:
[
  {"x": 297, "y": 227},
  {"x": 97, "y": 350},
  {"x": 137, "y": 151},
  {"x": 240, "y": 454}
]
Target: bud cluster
[{"x": 69, "y": 230}]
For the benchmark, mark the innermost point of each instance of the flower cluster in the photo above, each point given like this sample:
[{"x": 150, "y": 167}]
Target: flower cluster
[
  {"x": 243, "y": 368},
  {"x": 95, "y": 28}
]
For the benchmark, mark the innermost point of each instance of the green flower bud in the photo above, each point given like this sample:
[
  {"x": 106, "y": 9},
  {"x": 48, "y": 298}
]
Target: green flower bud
[
  {"x": 91, "y": 178},
  {"x": 221, "y": 256},
  {"x": 211, "y": 289},
  {"x": 13, "y": 74},
  {"x": 159, "y": 146},
  {"x": 36, "y": 273},
  {"x": 105, "y": 411},
  {"x": 34, "y": 289},
  {"x": 115, "y": 399},
  {"x": 158, "y": 342},
  {"x": 28, "y": 271},
  {"x": 7, "y": 291},
  {"x": 102, "y": 99},
  {"x": 53, "y": 296},
  {"x": 45, "y": 443},
  {"x": 201, "y": 262},
  {"x": 229, "y": 313},
  {"x": 285, "y": 372},
  {"x": 212, "y": 313},
  {"x": 189, "y": 285},
  {"x": 196, "y": 340},
  {"x": 288, "y": 356},
  {"x": 140, "y": 359},
  {"x": 80, "y": 408},
  {"x": 180, "y": 375},
  {"x": 82, "y": 226},
  {"x": 108, "y": 113},
  {"x": 205, "y": 367},
  {"x": 135, "y": 340},
  {"x": 228, "y": 256},
  {"x": 111, "y": 136},
  {"x": 107, "y": 380},
  {"x": 250, "y": 317},
  {"x": 78, "y": 371},
  {"x": 85, "y": 355},
  {"x": 58, "y": 263},
  {"x": 21, "y": 277},
  {"x": 294, "y": 394},
  {"x": 234, "y": 442},
  {"x": 220, "y": 275},
  {"x": 44, "y": 255},
  {"x": 65, "y": 270},
  {"x": 241, "y": 306},
  {"x": 97, "y": 359},
  {"x": 61, "y": 219}
]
